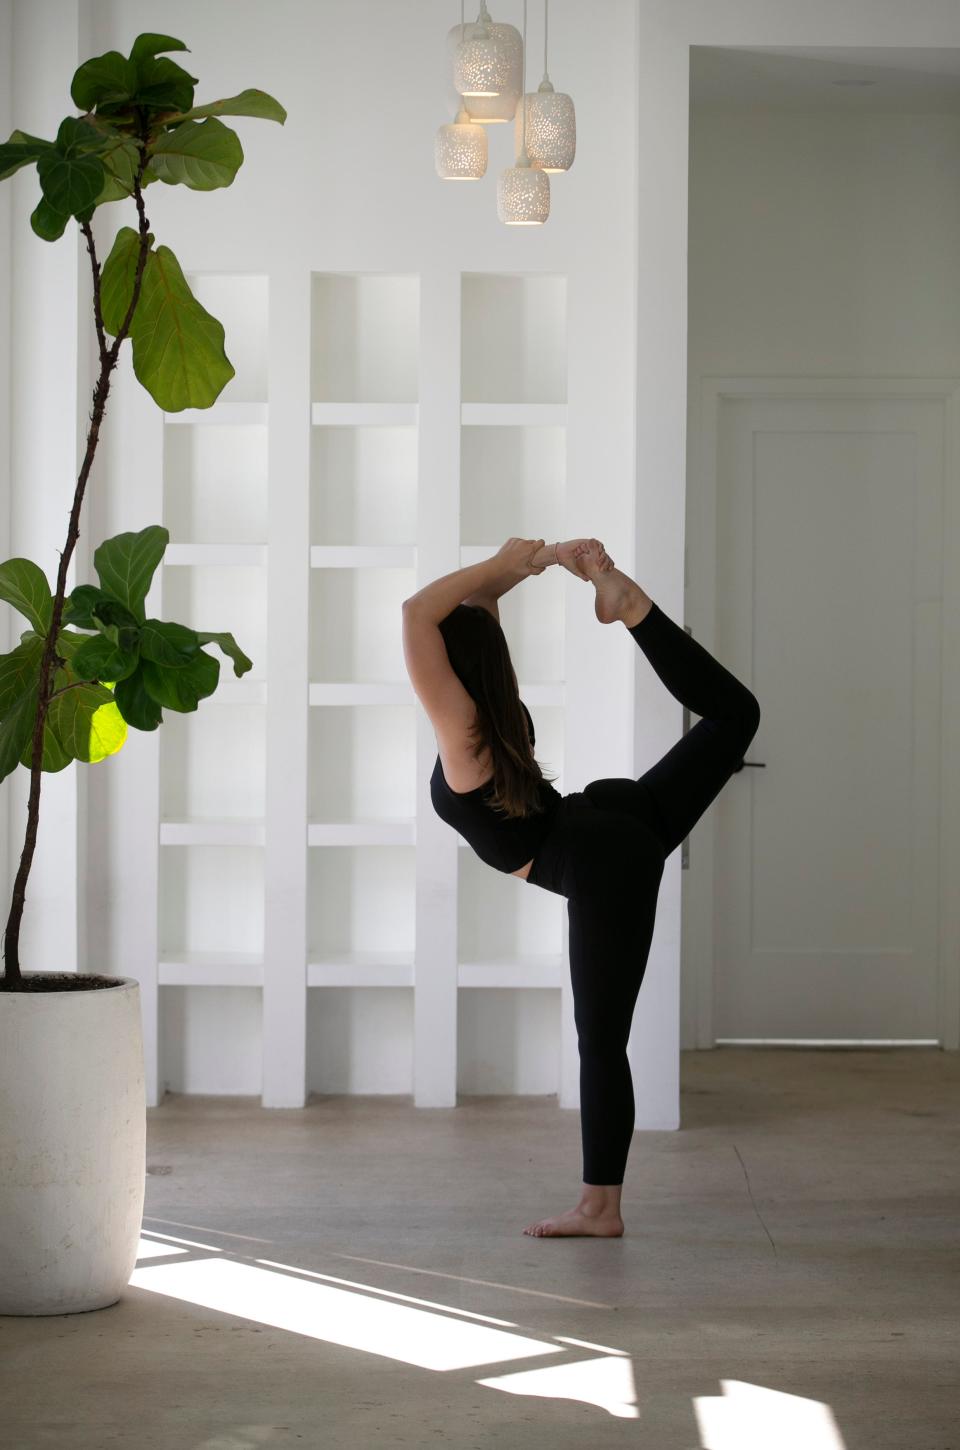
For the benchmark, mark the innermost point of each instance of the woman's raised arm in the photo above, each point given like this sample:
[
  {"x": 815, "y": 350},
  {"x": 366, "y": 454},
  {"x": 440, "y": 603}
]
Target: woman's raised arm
[{"x": 484, "y": 581}]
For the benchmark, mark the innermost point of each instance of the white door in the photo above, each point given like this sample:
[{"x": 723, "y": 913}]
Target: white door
[{"x": 828, "y": 598}]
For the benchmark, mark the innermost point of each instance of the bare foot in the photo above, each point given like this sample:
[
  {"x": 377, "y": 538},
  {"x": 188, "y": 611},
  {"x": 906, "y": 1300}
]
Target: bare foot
[
  {"x": 581, "y": 1221},
  {"x": 568, "y": 555},
  {"x": 618, "y": 596},
  {"x": 586, "y": 549}
]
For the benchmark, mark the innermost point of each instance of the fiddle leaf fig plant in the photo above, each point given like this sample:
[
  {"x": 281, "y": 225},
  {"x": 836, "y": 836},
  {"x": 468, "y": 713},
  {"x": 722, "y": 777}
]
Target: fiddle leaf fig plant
[{"x": 91, "y": 663}]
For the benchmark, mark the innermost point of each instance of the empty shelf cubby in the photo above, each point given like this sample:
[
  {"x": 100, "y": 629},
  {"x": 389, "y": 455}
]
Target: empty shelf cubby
[
  {"x": 211, "y": 900},
  {"x": 512, "y": 482},
  {"x": 356, "y": 623},
  {"x": 363, "y": 485},
  {"x": 215, "y": 483},
  {"x": 365, "y": 331},
  {"x": 514, "y": 338},
  {"x": 213, "y": 762},
  {"x": 362, "y": 764},
  {"x": 360, "y": 899}
]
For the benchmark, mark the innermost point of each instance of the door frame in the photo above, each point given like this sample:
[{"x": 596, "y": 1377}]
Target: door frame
[{"x": 697, "y": 944}]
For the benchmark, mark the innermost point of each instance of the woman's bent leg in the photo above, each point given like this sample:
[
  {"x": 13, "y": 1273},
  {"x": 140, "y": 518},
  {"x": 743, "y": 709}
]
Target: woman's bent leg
[
  {"x": 673, "y": 794},
  {"x": 691, "y": 774}
]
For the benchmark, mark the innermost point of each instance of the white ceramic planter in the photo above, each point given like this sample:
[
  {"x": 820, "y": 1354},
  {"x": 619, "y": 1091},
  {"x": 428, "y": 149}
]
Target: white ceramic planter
[{"x": 72, "y": 1147}]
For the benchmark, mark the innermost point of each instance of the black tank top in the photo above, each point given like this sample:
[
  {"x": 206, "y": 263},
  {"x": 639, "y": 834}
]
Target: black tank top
[{"x": 505, "y": 842}]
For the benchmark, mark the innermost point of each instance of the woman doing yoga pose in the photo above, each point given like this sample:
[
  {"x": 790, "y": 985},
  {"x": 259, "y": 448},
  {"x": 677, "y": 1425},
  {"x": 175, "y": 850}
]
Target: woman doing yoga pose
[{"x": 603, "y": 848}]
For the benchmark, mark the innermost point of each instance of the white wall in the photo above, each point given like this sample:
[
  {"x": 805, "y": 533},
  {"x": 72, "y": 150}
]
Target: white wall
[
  {"x": 824, "y": 243},
  {"x": 820, "y": 244}
]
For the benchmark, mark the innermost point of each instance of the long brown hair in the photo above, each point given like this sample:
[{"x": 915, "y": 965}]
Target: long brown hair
[{"x": 478, "y": 652}]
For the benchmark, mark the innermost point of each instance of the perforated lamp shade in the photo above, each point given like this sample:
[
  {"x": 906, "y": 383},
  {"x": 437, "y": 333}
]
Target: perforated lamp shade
[
  {"x": 460, "y": 150},
  {"x": 481, "y": 61},
  {"x": 490, "y": 110},
  {"x": 523, "y": 195},
  {"x": 551, "y": 128}
]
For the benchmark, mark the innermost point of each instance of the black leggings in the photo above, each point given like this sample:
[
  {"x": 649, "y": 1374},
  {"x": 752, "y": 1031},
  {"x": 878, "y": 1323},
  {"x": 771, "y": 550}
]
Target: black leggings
[{"x": 605, "y": 853}]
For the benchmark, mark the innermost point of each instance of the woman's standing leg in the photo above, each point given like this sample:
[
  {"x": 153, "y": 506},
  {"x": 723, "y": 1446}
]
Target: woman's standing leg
[
  {"x": 611, "y": 907},
  {"x": 610, "y": 935}
]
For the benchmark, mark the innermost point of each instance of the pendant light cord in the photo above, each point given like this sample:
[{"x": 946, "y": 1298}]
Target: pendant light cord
[
  {"x": 523, "y": 86},
  {"x": 546, "y": 26},
  {"x": 463, "y": 30}
]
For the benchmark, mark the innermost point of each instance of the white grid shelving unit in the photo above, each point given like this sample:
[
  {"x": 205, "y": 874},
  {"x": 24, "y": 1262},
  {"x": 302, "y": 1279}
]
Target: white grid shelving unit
[
  {"x": 211, "y": 826},
  {"x": 413, "y": 423}
]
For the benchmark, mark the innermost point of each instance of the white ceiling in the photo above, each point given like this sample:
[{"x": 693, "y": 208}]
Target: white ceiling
[{"x": 780, "y": 79}]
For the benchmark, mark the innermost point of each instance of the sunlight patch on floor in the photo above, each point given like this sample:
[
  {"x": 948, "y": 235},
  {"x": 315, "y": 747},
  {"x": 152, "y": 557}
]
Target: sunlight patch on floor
[
  {"x": 389, "y": 1293},
  {"x": 607, "y": 1383},
  {"x": 150, "y": 1250},
  {"x": 752, "y": 1417},
  {"x": 339, "y": 1316},
  {"x": 431, "y": 1335}
]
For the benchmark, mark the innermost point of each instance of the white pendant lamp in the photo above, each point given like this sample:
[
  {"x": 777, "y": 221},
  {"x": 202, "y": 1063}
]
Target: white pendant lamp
[
  {"x": 492, "y": 110},
  {"x": 523, "y": 193},
  {"x": 549, "y": 119},
  {"x": 481, "y": 61},
  {"x": 460, "y": 150}
]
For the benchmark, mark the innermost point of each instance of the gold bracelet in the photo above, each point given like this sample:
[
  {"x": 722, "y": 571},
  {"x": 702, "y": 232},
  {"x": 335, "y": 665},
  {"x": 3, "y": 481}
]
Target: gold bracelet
[{"x": 555, "y": 548}]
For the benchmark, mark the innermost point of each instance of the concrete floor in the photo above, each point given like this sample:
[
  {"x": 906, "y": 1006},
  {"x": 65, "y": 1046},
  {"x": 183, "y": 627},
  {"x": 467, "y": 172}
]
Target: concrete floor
[{"x": 789, "y": 1278}]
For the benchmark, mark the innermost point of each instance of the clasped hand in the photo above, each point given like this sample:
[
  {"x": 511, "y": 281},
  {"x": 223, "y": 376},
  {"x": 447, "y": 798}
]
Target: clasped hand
[{"x": 518, "y": 555}]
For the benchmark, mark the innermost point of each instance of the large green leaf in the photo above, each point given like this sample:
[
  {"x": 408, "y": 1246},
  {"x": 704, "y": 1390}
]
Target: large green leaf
[
  {"x": 16, "y": 730},
  {"x": 230, "y": 647},
  {"x": 114, "y": 620},
  {"x": 120, "y": 157},
  {"x": 18, "y": 671},
  {"x": 68, "y": 642},
  {"x": 117, "y": 278},
  {"x": 177, "y": 345},
  {"x": 106, "y": 79},
  {"x": 250, "y": 102},
  {"x": 125, "y": 565},
  {"x": 71, "y": 175},
  {"x": 149, "y": 44},
  {"x": 136, "y": 706},
  {"x": 82, "y": 722},
  {"x": 100, "y": 659},
  {"x": 200, "y": 154},
  {"x": 48, "y": 223},
  {"x": 86, "y": 723},
  {"x": 181, "y": 689},
  {"x": 163, "y": 85},
  {"x": 178, "y": 351},
  {"x": 24, "y": 585},
  {"x": 19, "y": 151},
  {"x": 79, "y": 605},
  {"x": 168, "y": 644},
  {"x": 54, "y": 756}
]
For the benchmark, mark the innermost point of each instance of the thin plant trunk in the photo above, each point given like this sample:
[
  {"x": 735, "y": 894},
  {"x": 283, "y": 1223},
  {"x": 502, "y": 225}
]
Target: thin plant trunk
[{"x": 13, "y": 979}]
